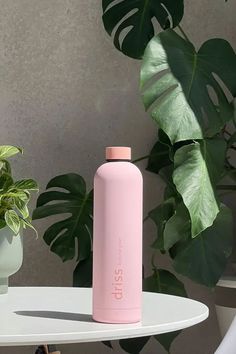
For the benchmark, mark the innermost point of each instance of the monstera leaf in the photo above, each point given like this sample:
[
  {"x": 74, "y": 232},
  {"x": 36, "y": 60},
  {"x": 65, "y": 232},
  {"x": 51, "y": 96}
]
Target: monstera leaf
[
  {"x": 160, "y": 155},
  {"x": 180, "y": 84},
  {"x": 131, "y": 21},
  {"x": 64, "y": 235},
  {"x": 177, "y": 228},
  {"x": 162, "y": 281},
  {"x": 198, "y": 167},
  {"x": 203, "y": 259},
  {"x": 160, "y": 215},
  {"x": 82, "y": 275},
  {"x": 133, "y": 345}
]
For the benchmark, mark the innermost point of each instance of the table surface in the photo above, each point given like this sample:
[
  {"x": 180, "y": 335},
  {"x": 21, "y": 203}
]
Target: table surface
[{"x": 31, "y": 315}]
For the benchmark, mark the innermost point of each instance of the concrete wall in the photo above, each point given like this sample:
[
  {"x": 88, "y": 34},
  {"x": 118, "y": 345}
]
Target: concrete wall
[{"x": 66, "y": 93}]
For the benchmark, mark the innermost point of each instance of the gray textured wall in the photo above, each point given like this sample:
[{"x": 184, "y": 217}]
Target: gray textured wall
[{"x": 66, "y": 93}]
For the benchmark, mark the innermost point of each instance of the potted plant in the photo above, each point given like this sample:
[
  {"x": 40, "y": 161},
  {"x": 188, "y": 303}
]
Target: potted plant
[
  {"x": 14, "y": 216},
  {"x": 189, "y": 93}
]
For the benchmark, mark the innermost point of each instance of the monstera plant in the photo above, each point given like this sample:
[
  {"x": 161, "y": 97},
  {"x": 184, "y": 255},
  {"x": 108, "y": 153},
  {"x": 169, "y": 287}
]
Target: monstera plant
[{"x": 190, "y": 95}]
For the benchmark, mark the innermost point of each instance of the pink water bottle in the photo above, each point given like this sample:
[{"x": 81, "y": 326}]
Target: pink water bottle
[{"x": 117, "y": 242}]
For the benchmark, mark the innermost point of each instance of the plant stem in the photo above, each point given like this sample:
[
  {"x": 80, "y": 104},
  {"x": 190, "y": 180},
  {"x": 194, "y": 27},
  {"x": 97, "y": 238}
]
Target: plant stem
[
  {"x": 150, "y": 155},
  {"x": 141, "y": 158},
  {"x": 183, "y": 33}
]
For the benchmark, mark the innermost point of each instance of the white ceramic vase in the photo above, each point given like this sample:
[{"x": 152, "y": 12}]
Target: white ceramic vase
[{"x": 11, "y": 256}]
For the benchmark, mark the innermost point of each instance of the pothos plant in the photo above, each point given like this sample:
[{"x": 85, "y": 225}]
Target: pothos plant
[
  {"x": 190, "y": 95},
  {"x": 14, "y": 195}
]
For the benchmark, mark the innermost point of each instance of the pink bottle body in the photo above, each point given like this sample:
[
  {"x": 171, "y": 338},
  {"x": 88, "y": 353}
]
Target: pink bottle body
[{"x": 117, "y": 243}]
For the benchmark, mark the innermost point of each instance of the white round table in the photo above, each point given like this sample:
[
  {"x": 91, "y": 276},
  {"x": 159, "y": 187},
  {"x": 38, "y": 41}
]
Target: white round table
[{"x": 30, "y": 315}]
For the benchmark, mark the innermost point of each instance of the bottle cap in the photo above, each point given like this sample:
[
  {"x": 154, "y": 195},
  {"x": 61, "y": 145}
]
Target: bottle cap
[{"x": 118, "y": 153}]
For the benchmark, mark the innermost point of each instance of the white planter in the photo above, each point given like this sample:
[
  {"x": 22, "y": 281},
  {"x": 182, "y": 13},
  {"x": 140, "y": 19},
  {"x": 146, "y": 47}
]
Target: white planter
[
  {"x": 11, "y": 256},
  {"x": 225, "y": 302}
]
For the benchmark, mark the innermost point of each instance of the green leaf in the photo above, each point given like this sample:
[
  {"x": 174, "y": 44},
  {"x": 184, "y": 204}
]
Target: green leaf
[
  {"x": 198, "y": 167},
  {"x": 162, "y": 281},
  {"x": 19, "y": 194},
  {"x": 24, "y": 195},
  {"x": 28, "y": 184},
  {"x": 12, "y": 220},
  {"x": 203, "y": 259},
  {"x": 21, "y": 199},
  {"x": 178, "y": 227},
  {"x": 5, "y": 181},
  {"x": 170, "y": 192},
  {"x": 2, "y": 223},
  {"x": 176, "y": 79},
  {"x": 72, "y": 182},
  {"x": 214, "y": 152},
  {"x": 15, "y": 198},
  {"x": 62, "y": 235},
  {"x": 160, "y": 154},
  {"x": 85, "y": 242},
  {"x": 27, "y": 223},
  {"x": 166, "y": 339},
  {"x": 5, "y": 167},
  {"x": 22, "y": 207},
  {"x": 131, "y": 21},
  {"x": 133, "y": 345},
  {"x": 8, "y": 151},
  {"x": 82, "y": 275},
  {"x": 166, "y": 174},
  {"x": 160, "y": 215},
  {"x": 161, "y": 157}
]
